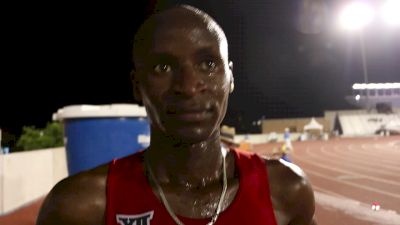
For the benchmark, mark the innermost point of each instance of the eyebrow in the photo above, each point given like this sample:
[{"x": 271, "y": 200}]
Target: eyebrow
[
  {"x": 202, "y": 51},
  {"x": 208, "y": 51},
  {"x": 155, "y": 56}
]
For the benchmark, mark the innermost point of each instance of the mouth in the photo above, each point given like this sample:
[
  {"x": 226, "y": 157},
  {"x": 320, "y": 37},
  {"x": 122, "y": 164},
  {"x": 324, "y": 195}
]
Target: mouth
[{"x": 190, "y": 114}]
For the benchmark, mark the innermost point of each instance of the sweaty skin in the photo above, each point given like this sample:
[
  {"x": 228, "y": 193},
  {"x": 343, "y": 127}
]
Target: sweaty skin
[{"x": 183, "y": 79}]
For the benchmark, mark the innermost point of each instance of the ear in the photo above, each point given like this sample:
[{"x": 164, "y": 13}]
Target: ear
[
  {"x": 232, "y": 83},
  {"x": 137, "y": 96}
]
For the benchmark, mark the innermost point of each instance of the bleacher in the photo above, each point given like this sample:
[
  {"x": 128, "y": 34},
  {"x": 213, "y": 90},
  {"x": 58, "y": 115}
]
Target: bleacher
[{"x": 361, "y": 123}]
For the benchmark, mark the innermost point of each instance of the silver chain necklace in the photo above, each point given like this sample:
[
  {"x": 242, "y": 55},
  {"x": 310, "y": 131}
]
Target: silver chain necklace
[{"x": 168, "y": 207}]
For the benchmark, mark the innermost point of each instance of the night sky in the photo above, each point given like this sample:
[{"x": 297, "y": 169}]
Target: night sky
[{"x": 58, "y": 55}]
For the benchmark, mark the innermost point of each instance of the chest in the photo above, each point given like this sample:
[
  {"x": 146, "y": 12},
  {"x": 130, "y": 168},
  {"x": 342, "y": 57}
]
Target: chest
[{"x": 241, "y": 206}]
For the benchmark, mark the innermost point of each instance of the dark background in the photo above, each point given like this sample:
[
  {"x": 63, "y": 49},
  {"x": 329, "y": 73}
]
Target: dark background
[{"x": 285, "y": 64}]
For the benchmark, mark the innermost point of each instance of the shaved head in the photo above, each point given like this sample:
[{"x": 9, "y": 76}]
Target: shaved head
[
  {"x": 182, "y": 73},
  {"x": 177, "y": 17}
]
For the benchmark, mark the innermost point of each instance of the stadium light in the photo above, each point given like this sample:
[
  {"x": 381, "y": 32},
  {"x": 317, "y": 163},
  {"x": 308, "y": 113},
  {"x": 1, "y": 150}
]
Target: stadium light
[
  {"x": 356, "y": 16},
  {"x": 390, "y": 12},
  {"x": 375, "y": 86}
]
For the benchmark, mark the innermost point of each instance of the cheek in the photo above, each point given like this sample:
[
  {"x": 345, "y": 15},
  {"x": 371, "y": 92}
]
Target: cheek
[
  {"x": 152, "y": 102},
  {"x": 219, "y": 83},
  {"x": 154, "y": 88},
  {"x": 219, "y": 89},
  {"x": 224, "y": 103},
  {"x": 150, "y": 108},
  {"x": 221, "y": 93}
]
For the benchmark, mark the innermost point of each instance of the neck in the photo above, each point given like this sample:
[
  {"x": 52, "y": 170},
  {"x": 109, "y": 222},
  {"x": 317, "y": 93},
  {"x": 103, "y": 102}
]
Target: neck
[{"x": 190, "y": 165}]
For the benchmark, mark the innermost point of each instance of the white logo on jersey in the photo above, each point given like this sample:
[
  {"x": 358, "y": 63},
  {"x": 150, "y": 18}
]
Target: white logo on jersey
[{"x": 137, "y": 219}]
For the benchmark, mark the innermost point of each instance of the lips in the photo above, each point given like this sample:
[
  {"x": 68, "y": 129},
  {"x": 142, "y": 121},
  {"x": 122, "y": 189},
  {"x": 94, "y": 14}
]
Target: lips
[
  {"x": 190, "y": 114},
  {"x": 193, "y": 116}
]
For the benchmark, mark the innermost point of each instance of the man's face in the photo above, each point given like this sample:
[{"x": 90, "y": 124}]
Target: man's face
[{"x": 183, "y": 81}]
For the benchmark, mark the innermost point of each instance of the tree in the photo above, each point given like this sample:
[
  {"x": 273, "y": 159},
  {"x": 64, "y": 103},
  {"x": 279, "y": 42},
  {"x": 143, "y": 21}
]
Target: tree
[{"x": 49, "y": 137}]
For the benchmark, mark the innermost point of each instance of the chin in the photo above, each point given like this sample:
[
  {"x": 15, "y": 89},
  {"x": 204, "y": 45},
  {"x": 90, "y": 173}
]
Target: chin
[{"x": 192, "y": 136}]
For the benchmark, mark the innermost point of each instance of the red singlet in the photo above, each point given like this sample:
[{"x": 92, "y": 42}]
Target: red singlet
[{"x": 131, "y": 201}]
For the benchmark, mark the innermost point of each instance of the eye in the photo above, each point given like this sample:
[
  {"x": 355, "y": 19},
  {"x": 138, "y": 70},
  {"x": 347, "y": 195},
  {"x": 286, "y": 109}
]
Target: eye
[
  {"x": 162, "y": 68},
  {"x": 207, "y": 66}
]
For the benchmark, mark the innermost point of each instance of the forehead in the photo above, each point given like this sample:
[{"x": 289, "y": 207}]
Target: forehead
[
  {"x": 179, "y": 29},
  {"x": 175, "y": 38}
]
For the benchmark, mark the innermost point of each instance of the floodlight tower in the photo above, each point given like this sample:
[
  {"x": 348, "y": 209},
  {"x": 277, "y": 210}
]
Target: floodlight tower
[
  {"x": 390, "y": 12},
  {"x": 355, "y": 17}
]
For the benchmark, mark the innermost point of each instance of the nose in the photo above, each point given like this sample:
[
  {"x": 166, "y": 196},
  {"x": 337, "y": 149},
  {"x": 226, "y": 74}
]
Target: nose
[{"x": 189, "y": 82}]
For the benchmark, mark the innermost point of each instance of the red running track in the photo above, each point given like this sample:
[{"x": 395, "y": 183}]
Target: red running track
[
  {"x": 347, "y": 176},
  {"x": 23, "y": 216}
]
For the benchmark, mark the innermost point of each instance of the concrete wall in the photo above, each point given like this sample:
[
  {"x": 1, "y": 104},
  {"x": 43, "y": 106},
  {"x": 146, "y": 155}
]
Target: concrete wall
[
  {"x": 253, "y": 138},
  {"x": 26, "y": 176},
  {"x": 264, "y": 138},
  {"x": 295, "y": 125}
]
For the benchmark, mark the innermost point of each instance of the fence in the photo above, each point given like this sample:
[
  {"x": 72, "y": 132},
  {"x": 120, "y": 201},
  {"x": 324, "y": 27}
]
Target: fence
[{"x": 26, "y": 176}]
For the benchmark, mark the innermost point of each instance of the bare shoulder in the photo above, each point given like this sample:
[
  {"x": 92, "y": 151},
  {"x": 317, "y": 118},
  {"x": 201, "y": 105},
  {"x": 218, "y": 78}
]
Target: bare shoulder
[
  {"x": 291, "y": 193},
  {"x": 76, "y": 200}
]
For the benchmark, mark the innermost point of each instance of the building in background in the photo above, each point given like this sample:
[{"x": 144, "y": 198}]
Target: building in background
[{"x": 382, "y": 96}]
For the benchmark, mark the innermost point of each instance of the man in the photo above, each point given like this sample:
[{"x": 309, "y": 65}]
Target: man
[
  {"x": 186, "y": 176},
  {"x": 287, "y": 139}
]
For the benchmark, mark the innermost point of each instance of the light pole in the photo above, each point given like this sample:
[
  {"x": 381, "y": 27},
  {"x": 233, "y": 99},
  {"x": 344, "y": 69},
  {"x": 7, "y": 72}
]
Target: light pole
[
  {"x": 363, "y": 58},
  {"x": 390, "y": 13},
  {"x": 355, "y": 17}
]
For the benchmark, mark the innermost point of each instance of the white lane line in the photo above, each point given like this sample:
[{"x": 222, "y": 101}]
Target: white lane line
[
  {"x": 363, "y": 158},
  {"x": 375, "y": 154},
  {"x": 308, "y": 152},
  {"x": 357, "y": 209},
  {"x": 395, "y": 144},
  {"x": 371, "y": 151},
  {"x": 370, "y": 168},
  {"x": 347, "y": 177},
  {"x": 360, "y": 186},
  {"x": 339, "y": 154},
  {"x": 312, "y": 162},
  {"x": 386, "y": 146},
  {"x": 317, "y": 188},
  {"x": 368, "y": 152},
  {"x": 380, "y": 147}
]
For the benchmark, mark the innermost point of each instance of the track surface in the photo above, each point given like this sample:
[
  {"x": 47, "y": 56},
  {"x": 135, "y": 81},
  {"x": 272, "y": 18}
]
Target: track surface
[{"x": 347, "y": 175}]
